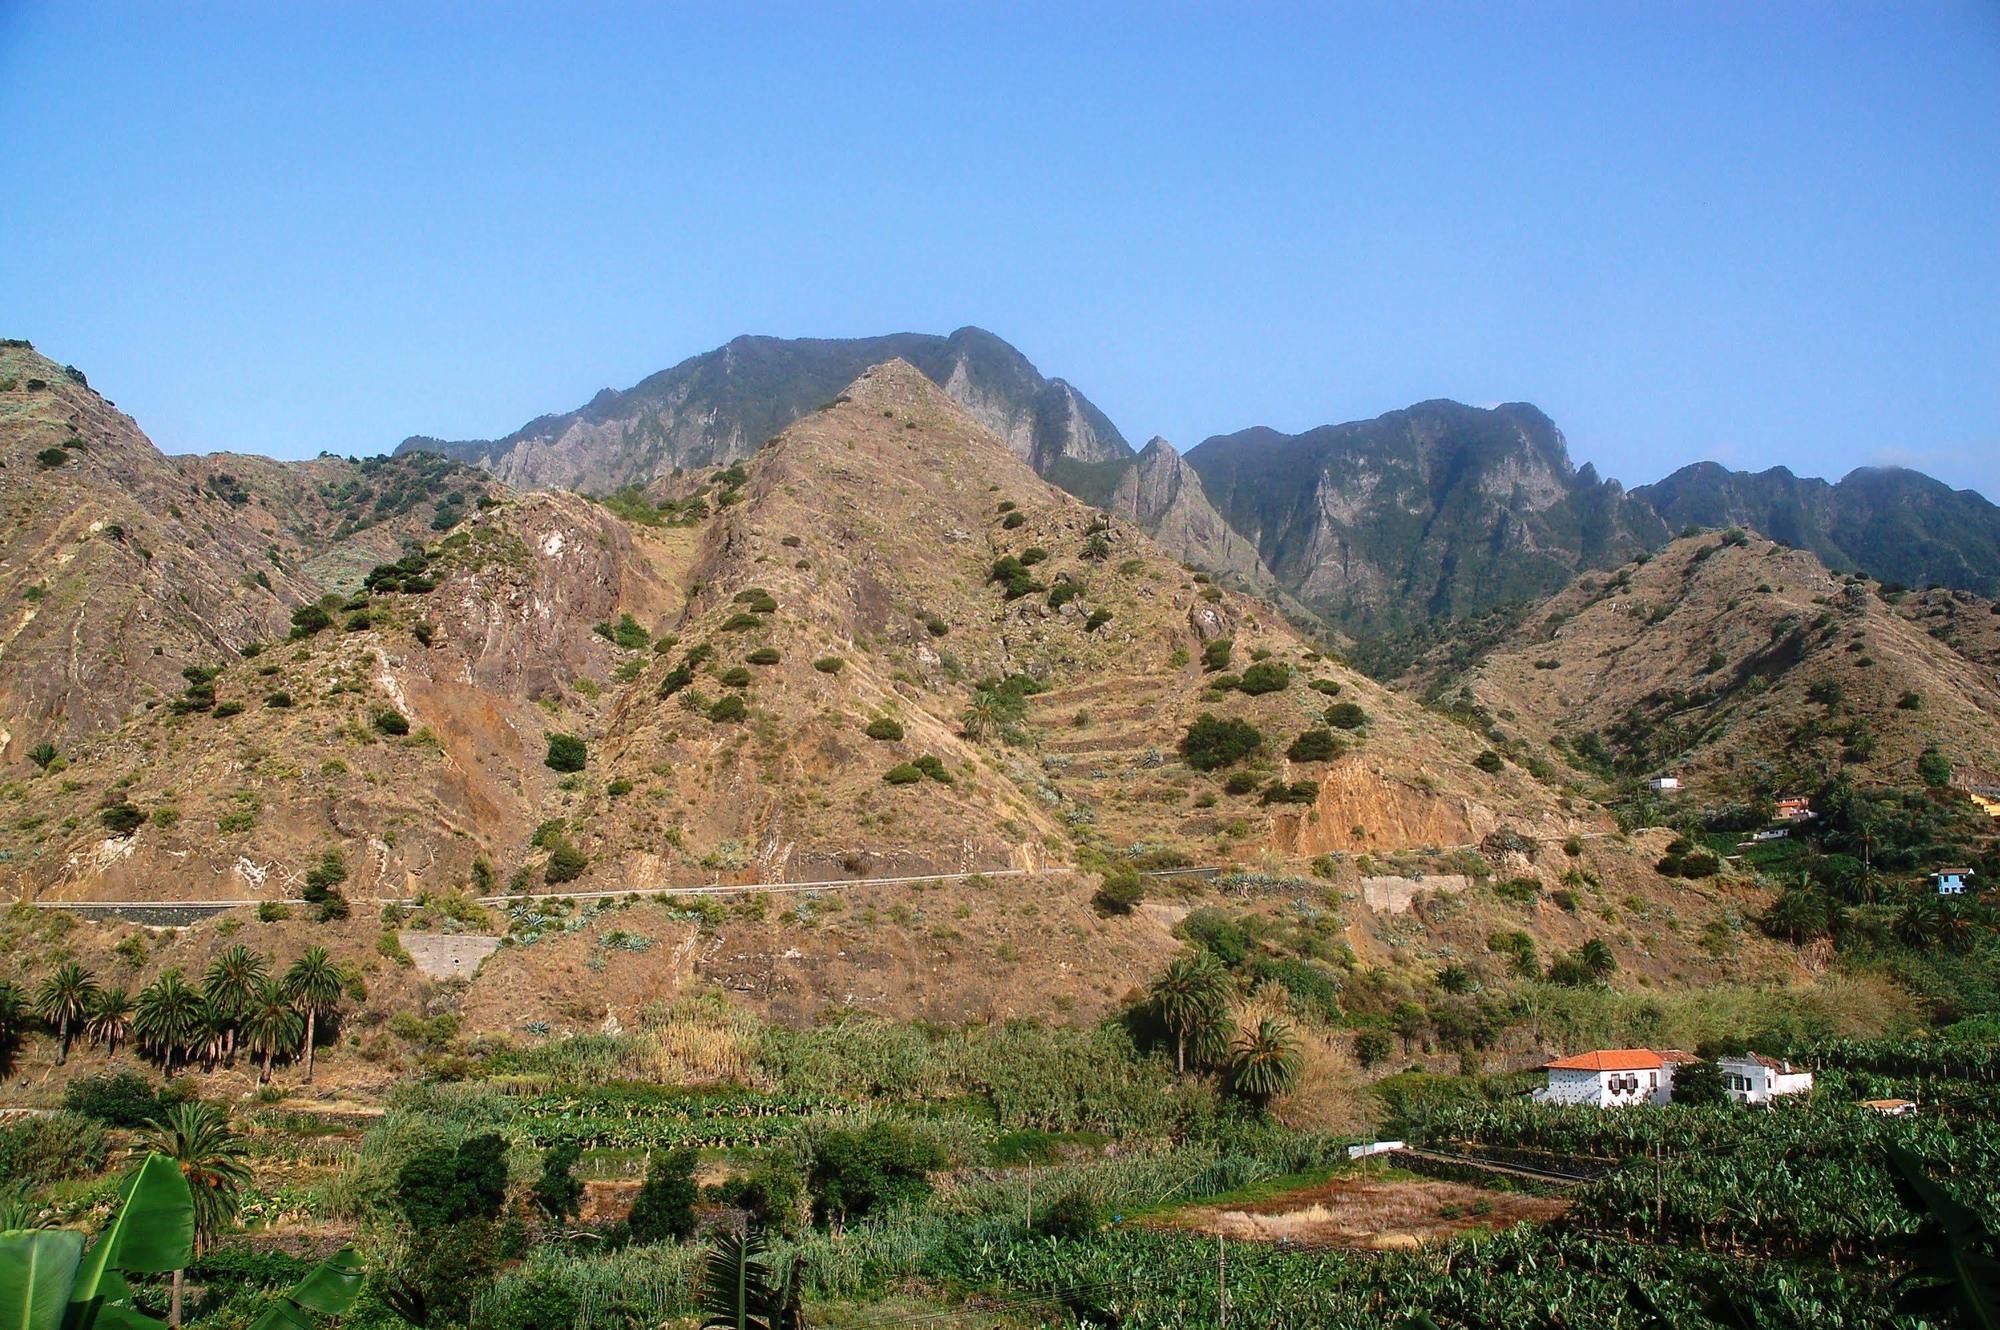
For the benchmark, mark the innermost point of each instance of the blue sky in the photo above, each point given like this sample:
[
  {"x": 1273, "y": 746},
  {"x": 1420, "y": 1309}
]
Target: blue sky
[{"x": 1767, "y": 234}]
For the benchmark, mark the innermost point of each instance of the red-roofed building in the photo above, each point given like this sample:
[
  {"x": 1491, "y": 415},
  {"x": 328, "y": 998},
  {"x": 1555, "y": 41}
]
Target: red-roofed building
[{"x": 1613, "y": 1077}]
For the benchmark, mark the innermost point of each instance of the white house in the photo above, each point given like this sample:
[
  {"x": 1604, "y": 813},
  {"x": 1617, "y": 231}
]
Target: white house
[
  {"x": 1664, "y": 783},
  {"x": 1951, "y": 881},
  {"x": 1613, "y": 1077},
  {"x": 1753, "y": 1078}
]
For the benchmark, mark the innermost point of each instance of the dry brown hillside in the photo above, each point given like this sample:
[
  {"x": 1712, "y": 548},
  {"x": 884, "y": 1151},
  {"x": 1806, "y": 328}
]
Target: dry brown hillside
[
  {"x": 1743, "y": 666},
  {"x": 120, "y": 567},
  {"x": 888, "y": 648}
]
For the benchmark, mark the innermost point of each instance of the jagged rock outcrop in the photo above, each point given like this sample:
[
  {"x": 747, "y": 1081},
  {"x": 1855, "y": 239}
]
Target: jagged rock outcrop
[
  {"x": 1435, "y": 511},
  {"x": 722, "y": 405},
  {"x": 1891, "y": 523}
]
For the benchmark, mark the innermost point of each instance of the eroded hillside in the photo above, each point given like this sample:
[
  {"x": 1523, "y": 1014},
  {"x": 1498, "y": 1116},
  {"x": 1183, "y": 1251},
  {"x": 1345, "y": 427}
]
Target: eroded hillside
[{"x": 1740, "y": 666}]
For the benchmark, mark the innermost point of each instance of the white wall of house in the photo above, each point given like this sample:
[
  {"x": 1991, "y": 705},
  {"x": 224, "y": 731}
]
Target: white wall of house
[
  {"x": 1606, "y": 1089},
  {"x": 1751, "y": 1082}
]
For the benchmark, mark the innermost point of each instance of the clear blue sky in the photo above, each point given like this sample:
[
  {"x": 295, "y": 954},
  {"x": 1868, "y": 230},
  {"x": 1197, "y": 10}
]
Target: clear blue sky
[{"x": 1762, "y": 233}]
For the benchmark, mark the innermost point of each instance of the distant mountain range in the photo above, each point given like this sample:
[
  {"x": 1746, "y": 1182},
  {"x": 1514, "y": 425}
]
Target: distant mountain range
[{"x": 1419, "y": 516}]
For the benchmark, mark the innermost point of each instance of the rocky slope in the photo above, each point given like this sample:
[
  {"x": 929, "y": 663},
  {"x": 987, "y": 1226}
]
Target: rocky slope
[
  {"x": 1892, "y": 524},
  {"x": 121, "y": 567},
  {"x": 850, "y": 583},
  {"x": 884, "y": 646},
  {"x": 721, "y": 406},
  {"x": 1437, "y": 511},
  {"x": 1743, "y": 667}
]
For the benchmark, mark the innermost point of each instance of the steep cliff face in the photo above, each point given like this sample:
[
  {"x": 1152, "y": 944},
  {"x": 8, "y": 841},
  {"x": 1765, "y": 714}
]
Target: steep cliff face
[
  {"x": 1163, "y": 494},
  {"x": 1888, "y": 522},
  {"x": 1435, "y": 511},
  {"x": 722, "y": 405}
]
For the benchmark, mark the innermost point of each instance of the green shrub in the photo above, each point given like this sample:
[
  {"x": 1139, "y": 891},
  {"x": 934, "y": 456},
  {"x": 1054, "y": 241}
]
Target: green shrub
[
  {"x": 1490, "y": 762},
  {"x": 1215, "y": 655},
  {"x": 1033, "y": 555},
  {"x": 933, "y": 768},
  {"x": 1097, "y": 619},
  {"x": 1013, "y": 521},
  {"x": 618, "y": 788},
  {"x": 1064, "y": 593},
  {"x": 903, "y": 773},
  {"x": 566, "y": 863},
  {"x": 1315, "y": 745},
  {"x": 829, "y": 664},
  {"x": 122, "y": 819},
  {"x": 764, "y": 656},
  {"x": 567, "y": 752},
  {"x": 1326, "y": 686},
  {"x": 278, "y": 699},
  {"x": 1211, "y": 742},
  {"x": 440, "y": 1186},
  {"x": 52, "y": 457},
  {"x": 1013, "y": 577},
  {"x": 1239, "y": 782},
  {"x": 117, "y": 1099},
  {"x": 738, "y": 622},
  {"x": 729, "y": 709},
  {"x": 883, "y": 728},
  {"x": 663, "y": 1211},
  {"x": 1120, "y": 892},
  {"x": 1266, "y": 676},
  {"x": 1346, "y": 716},
  {"x": 54, "y": 1147},
  {"x": 392, "y": 722},
  {"x": 309, "y": 619},
  {"x": 1298, "y": 792},
  {"x": 861, "y": 1171},
  {"x": 736, "y": 676}
]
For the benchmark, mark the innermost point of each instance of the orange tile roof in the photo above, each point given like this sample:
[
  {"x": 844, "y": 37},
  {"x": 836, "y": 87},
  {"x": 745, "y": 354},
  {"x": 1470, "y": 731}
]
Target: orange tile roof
[{"x": 1609, "y": 1059}]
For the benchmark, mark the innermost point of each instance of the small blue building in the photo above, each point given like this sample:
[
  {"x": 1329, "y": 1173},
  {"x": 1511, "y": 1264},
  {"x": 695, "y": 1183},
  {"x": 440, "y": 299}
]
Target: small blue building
[{"x": 1951, "y": 881}]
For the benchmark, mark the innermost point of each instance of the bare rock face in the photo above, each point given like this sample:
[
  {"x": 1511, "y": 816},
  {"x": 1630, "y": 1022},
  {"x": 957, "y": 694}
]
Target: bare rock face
[
  {"x": 723, "y": 405},
  {"x": 1163, "y": 494}
]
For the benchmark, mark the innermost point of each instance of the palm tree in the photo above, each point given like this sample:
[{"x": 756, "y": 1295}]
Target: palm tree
[
  {"x": 1265, "y": 1062},
  {"x": 110, "y": 1019},
  {"x": 13, "y": 1021},
  {"x": 211, "y": 1035},
  {"x": 64, "y": 1001},
  {"x": 1189, "y": 994},
  {"x": 167, "y": 1017},
  {"x": 197, "y": 1137},
  {"x": 230, "y": 980},
  {"x": 984, "y": 714},
  {"x": 1597, "y": 959},
  {"x": 313, "y": 985},
  {"x": 271, "y": 1025}
]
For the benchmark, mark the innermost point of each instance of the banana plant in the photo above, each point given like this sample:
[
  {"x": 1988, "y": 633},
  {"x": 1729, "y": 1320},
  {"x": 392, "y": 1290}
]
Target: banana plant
[{"x": 50, "y": 1280}]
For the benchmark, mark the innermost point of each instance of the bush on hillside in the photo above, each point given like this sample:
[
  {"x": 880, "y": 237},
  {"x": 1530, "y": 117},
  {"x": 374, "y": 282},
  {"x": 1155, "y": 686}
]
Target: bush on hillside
[
  {"x": 1315, "y": 745},
  {"x": 1266, "y": 676},
  {"x": 883, "y": 728},
  {"x": 567, "y": 752},
  {"x": 1212, "y": 742}
]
